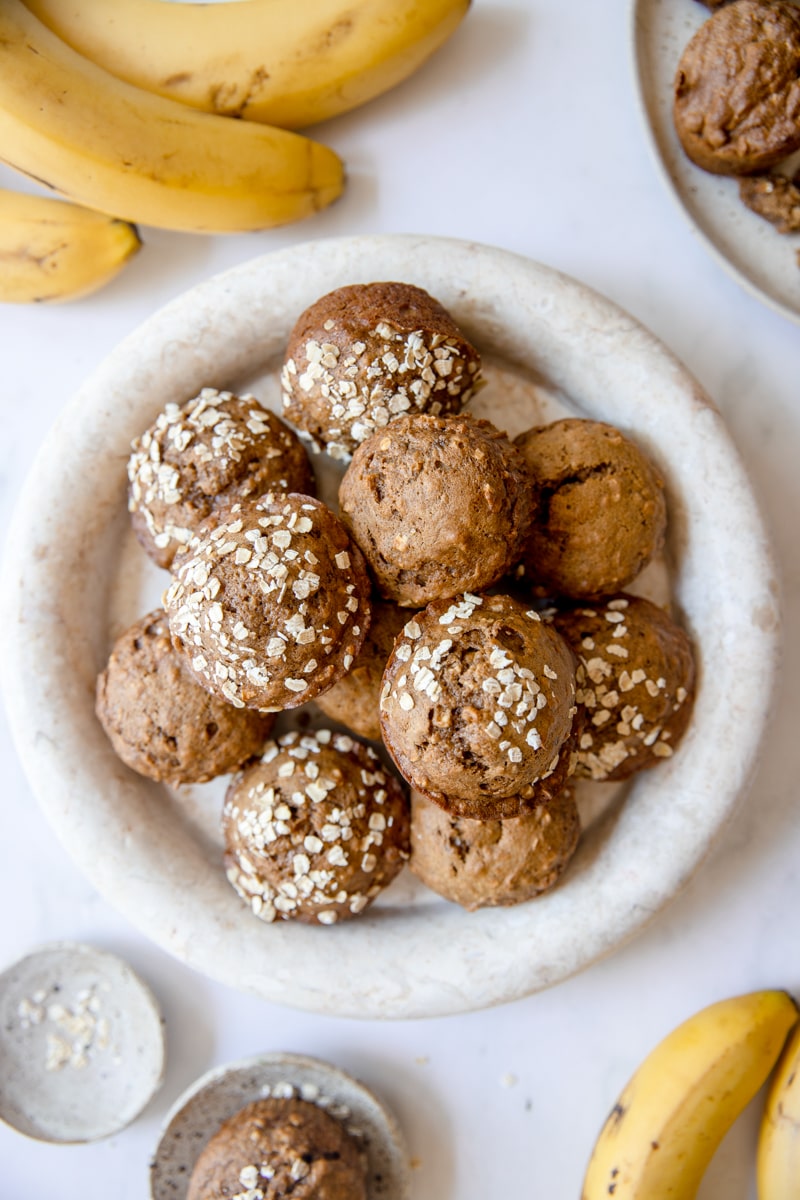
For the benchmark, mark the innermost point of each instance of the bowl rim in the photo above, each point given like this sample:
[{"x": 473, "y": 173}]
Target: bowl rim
[{"x": 424, "y": 961}]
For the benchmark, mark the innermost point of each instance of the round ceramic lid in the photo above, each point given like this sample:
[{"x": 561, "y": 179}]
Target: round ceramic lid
[{"x": 81, "y": 1044}]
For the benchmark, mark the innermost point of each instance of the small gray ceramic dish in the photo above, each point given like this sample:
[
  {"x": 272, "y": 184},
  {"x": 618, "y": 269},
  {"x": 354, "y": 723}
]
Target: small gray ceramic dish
[
  {"x": 222, "y": 1092},
  {"x": 81, "y": 1044}
]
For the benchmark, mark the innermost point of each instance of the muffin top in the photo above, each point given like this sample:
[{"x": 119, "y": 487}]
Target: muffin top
[
  {"x": 364, "y": 354},
  {"x": 482, "y": 864},
  {"x": 271, "y": 603},
  {"x": 737, "y": 88},
  {"x": 601, "y": 510},
  {"x": 159, "y": 719},
  {"x": 204, "y": 456},
  {"x": 438, "y": 505},
  {"x": 477, "y": 706},
  {"x": 315, "y": 829},
  {"x": 275, "y": 1148},
  {"x": 636, "y": 681}
]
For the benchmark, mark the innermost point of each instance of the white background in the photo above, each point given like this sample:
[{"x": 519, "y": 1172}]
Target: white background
[{"x": 523, "y": 132}]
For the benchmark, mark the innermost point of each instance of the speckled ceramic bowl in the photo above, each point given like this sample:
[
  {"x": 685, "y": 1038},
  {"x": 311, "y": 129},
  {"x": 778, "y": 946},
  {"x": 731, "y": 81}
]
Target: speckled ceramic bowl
[{"x": 74, "y": 578}]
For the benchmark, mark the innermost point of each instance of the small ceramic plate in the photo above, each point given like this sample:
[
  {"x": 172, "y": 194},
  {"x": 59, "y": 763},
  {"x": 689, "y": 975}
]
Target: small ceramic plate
[
  {"x": 81, "y": 1044},
  {"x": 75, "y": 577},
  {"x": 218, "y": 1095},
  {"x": 762, "y": 260}
]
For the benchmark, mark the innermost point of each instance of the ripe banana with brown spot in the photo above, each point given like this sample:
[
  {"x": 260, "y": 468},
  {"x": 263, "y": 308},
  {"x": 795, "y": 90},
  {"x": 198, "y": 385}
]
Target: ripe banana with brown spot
[
  {"x": 52, "y": 250},
  {"x": 113, "y": 147},
  {"x": 683, "y": 1098},
  {"x": 284, "y": 62},
  {"x": 778, "y": 1159}
]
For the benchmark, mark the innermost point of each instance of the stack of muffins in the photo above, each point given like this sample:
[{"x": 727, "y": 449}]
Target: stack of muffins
[{"x": 463, "y": 616}]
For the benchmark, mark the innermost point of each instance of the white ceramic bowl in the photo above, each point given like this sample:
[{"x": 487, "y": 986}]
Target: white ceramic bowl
[{"x": 74, "y": 577}]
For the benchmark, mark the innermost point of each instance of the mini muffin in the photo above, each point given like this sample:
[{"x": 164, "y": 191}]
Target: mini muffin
[
  {"x": 159, "y": 719},
  {"x": 365, "y": 354},
  {"x": 195, "y": 460},
  {"x": 481, "y": 864},
  {"x": 737, "y": 88},
  {"x": 438, "y": 505},
  {"x": 275, "y": 1148},
  {"x": 270, "y": 605},
  {"x": 636, "y": 684},
  {"x": 355, "y": 699},
  {"x": 775, "y": 198},
  {"x": 477, "y": 706},
  {"x": 601, "y": 509},
  {"x": 315, "y": 829}
]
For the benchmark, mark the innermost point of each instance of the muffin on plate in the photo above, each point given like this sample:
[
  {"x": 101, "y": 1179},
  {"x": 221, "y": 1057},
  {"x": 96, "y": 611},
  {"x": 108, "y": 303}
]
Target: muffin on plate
[
  {"x": 159, "y": 719},
  {"x": 314, "y": 830},
  {"x": 275, "y": 1148},
  {"x": 438, "y": 505},
  {"x": 480, "y": 864},
  {"x": 737, "y": 88},
  {"x": 202, "y": 457},
  {"x": 355, "y": 699},
  {"x": 363, "y": 355},
  {"x": 478, "y": 706},
  {"x": 270, "y": 604},
  {"x": 601, "y": 510},
  {"x": 636, "y": 684}
]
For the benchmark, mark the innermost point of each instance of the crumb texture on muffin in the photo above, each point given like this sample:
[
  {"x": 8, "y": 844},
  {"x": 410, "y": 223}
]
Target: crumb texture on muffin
[
  {"x": 315, "y": 830},
  {"x": 159, "y": 719},
  {"x": 363, "y": 355},
  {"x": 199, "y": 458}
]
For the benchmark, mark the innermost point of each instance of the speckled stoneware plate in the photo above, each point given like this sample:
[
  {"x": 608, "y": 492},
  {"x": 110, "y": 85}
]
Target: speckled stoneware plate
[
  {"x": 762, "y": 260},
  {"x": 75, "y": 577},
  {"x": 222, "y": 1092},
  {"x": 81, "y": 1044}
]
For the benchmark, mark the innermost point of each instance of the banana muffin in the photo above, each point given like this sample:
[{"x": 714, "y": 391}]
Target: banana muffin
[
  {"x": 275, "y": 1148},
  {"x": 737, "y": 88},
  {"x": 481, "y": 864},
  {"x": 478, "y": 706},
  {"x": 636, "y": 683},
  {"x": 363, "y": 355},
  {"x": 355, "y": 699},
  {"x": 601, "y": 509},
  {"x": 315, "y": 829},
  {"x": 159, "y": 719},
  {"x": 776, "y": 198},
  {"x": 438, "y": 505},
  {"x": 271, "y": 603},
  {"x": 197, "y": 459}
]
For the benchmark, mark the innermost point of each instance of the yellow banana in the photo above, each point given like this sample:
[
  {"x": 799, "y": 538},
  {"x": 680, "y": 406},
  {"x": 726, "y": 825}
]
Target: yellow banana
[
  {"x": 673, "y": 1113},
  {"x": 778, "y": 1160},
  {"x": 113, "y": 147},
  {"x": 52, "y": 250},
  {"x": 285, "y": 62}
]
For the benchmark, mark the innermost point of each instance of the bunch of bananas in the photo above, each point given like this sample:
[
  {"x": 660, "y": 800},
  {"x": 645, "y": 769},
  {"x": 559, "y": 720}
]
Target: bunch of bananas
[
  {"x": 672, "y": 1115},
  {"x": 126, "y": 108}
]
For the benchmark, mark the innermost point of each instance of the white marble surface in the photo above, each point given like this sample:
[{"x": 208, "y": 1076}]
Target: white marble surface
[{"x": 523, "y": 134}]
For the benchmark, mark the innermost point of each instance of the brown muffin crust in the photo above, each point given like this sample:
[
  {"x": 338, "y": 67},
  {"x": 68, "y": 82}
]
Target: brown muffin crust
[
  {"x": 601, "y": 510},
  {"x": 477, "y": 706},
  {"x": 363, "y": 355},
  {"x": 438, "y": 505},
  {"x": 271, "y": 603},
  {"x": 355, "y": 699},
  {"x": 481, "y": 864},
  {"x": 636, "y": 684},
  {"x": 737, "y": 88},
  {"x": 315, "y": 829},
  {"x": 273, "y": 1149},
  {"x": 159, "y": 719},
  {"x": 197, "y": 459},
  {"x": 775, "y": 198}
]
